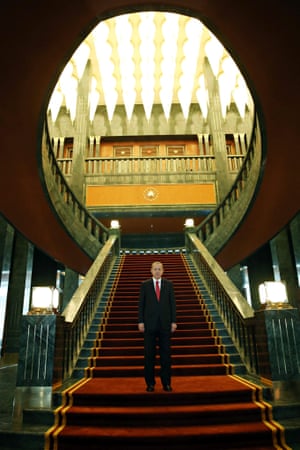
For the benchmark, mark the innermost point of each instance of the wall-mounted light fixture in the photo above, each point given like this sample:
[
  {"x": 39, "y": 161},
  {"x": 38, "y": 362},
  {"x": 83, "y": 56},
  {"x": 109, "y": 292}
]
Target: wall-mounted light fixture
[
  {"x": 44, "y": 300},
  {"x": 114, "y": 224},
  {"x": 273, "y": 295},
  {"x": 189, "y": 223}
]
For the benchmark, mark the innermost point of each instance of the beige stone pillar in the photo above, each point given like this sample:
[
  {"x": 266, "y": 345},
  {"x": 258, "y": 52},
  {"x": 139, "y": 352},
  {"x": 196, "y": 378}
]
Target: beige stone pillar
[
  {"x": 216, "y": 125},
  {"x": 77, "y": 180}
]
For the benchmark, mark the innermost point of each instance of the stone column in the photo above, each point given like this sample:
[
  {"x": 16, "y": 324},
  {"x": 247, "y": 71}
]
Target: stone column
[
  {"x": 215, "y": 121},
  {"x": 98, "y": 140},
  {"x": 21, "y": 269},
  {"x": 70, "y": 286},
  {"x": 6, "y": 248},
  {"x": 235, "y": 274},
  {"x": 260, "y": 269},
  {"x": 283, "y": 259},
  {"x": 77, "y": 180},
  {"x": 295, "y": 239}
]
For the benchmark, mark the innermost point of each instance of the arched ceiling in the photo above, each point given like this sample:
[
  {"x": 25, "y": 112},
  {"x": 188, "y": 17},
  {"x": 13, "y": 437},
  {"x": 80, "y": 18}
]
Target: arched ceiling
[
  {"x": 148, "y": 58},
  {"x": 38, "y": 38}
]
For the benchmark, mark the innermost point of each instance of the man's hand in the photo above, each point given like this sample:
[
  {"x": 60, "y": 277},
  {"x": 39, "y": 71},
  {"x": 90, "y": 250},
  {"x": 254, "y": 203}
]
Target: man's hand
[
  {"x": 141, "y": 327},
  {"x": 173, "y": 327}
]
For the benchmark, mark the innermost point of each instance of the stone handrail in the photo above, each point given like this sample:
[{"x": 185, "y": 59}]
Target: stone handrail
[
  {"x": 85, "y": 229},
  {"x": 80, "y": 311},
  {"x": 237, "y": 315},
  {"x": 221, "y": 224}
]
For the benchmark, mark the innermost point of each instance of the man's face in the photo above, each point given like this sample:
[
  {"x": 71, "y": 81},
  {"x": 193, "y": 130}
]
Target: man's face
[{"x": 157, "y": 270}]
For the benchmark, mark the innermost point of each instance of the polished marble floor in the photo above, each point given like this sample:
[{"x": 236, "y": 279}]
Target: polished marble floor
[{"x": 16, "y": 431}]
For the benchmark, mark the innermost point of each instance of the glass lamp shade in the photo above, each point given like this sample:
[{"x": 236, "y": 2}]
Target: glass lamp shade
[
  {"x": 115, "y": 224},
  {"x": 44, "y": 300},
  {"x": 189, "y": 223},
  {"x": 273, "y": 294}
]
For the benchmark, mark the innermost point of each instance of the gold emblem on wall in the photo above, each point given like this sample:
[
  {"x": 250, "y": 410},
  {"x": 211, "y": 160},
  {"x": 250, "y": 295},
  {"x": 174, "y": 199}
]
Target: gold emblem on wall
[{"x": 150, "y": 194}]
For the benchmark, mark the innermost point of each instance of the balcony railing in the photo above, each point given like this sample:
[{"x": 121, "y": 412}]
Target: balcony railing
[{"x": 187, "y": 168}]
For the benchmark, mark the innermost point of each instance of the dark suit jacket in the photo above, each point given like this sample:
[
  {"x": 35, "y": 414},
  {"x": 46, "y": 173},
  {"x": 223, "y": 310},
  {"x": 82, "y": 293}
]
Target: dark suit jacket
[{"x": 154, "y": 313}]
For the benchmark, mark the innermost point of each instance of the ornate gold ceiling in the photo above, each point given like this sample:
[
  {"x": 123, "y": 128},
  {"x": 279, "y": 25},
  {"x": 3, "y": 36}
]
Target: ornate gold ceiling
[{"x": 150, "y": 58}]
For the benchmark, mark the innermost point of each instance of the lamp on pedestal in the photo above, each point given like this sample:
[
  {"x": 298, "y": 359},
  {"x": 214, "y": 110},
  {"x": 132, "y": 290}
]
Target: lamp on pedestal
[
  {"x": 44, "y": 300},
  {"x": 189, "y": 223},
  {"x": 273, "y": 295}
]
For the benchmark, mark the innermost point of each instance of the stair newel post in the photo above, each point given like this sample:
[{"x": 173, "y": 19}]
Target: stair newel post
[
  {"x": 41, "y": 361},
  {"x": 115, "y": 230},
  {"x": 189, "y": 228},
  {"x": 278, "y": 341}
]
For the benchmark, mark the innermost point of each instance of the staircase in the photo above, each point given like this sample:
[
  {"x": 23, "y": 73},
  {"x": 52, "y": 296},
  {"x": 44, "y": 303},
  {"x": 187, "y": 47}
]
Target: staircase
[{"x": 210, "y": 407}]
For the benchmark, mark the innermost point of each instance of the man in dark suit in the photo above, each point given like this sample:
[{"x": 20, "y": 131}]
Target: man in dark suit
[{"x": 157, "y": 320}]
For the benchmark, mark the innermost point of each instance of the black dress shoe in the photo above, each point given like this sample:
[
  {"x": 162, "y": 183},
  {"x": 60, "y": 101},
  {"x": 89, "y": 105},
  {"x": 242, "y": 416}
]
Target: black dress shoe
[
  {"x": 150, "y": 388},
  {"x": 167, "y": 388}
]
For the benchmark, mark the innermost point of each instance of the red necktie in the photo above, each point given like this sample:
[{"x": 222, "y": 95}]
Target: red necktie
[{"x": 157, "y": 290}]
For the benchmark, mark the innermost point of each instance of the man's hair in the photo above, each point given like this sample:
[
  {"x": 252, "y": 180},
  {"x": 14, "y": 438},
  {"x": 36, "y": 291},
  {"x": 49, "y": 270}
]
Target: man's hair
[{"x": 157, "y": 262}]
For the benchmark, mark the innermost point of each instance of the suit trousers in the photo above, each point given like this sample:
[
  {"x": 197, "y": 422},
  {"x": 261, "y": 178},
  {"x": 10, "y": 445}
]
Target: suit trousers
[{"x": 162, "y": 338}]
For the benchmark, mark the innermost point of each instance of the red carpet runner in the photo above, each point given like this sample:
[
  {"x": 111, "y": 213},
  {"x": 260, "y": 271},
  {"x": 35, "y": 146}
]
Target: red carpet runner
[{"x": 209, "y": 407}]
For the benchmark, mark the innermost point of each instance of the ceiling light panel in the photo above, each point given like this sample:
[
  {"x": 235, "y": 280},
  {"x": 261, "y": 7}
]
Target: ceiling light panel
[
  {"x": 123, "y": 30},
  {"x": 150, "y": 58},
  {"x": 147, "y": 51},
  {"x": 193, "y": 31},
  {"x": 105, "y": 67}
]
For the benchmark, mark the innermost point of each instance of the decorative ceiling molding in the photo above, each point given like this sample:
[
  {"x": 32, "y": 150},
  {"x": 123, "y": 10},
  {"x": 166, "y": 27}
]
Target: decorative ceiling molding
[{"x": 150, "y": 58}]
